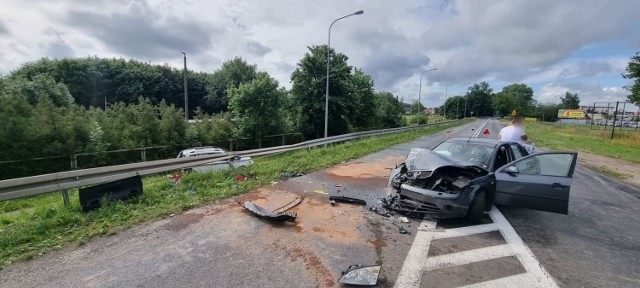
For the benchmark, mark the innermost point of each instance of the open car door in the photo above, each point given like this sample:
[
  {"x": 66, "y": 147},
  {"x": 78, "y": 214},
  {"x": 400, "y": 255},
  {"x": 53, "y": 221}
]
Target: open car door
[{"x": 540, "y": 181}]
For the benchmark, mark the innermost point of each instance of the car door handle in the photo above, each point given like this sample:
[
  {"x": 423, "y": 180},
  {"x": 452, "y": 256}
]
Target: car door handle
[{"x": 558, "y": 186}]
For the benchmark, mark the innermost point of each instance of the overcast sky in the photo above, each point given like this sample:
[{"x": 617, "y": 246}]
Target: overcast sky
[{"x": 551, "y": 45}]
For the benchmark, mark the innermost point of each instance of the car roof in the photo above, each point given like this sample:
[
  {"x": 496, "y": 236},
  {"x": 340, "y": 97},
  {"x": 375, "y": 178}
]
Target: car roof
[{"x": 489, "y": 142}]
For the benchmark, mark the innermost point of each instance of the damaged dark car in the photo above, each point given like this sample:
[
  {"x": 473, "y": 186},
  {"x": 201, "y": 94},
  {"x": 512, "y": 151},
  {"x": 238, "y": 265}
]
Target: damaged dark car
[{"x": 464, "y": 177}]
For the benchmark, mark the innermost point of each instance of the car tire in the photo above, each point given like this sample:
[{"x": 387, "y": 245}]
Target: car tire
[{"x": 476, "y": 209}]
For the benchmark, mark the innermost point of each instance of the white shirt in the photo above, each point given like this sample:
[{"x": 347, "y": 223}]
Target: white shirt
[{"x": 512, "y": 133}]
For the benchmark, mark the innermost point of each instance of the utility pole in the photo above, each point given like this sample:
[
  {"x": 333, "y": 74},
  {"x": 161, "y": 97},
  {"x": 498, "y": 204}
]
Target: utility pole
[
  {"x": 457, "y": 108},
  {"x": 186, "y": 90}
]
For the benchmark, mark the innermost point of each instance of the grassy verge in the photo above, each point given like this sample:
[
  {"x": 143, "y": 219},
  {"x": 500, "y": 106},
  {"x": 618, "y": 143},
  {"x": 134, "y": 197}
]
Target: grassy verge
[
  {"x": 625, "y": 145},
  {"x": 608, "y": 171},
  {"x": 33, "y": 226}
]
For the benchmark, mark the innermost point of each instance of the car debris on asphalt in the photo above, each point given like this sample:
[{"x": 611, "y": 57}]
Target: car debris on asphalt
[
  {"x": 360, "y": 275},
  {"x": 289, "y": 205},
  {"x": 263, "y": 213},
  {"x": 349, "y": 200},
  {"x": 286, "y": 175}
]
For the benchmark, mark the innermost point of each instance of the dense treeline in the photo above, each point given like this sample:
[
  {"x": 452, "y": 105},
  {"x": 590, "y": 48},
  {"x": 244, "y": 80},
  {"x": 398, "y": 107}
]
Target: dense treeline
[
  {"x": 481, "y": 101},
  {"x": 93, "y": 105}
]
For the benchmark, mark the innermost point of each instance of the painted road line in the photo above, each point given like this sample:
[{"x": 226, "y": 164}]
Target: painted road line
[
  {"x": 411, "y": 270},
  {"x": 519, "y": 280},
  {"x": 466, "y": 231},
  {"x": 469, "y": 256},
  {"x": 477, "y": 133},
  {"x": 524, "y": 254}
]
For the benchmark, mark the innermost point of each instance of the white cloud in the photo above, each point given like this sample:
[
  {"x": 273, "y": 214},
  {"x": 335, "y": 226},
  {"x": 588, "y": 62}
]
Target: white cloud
[
  {"x": 469, "y": 41},
  {"x": 588, "y": 93}
]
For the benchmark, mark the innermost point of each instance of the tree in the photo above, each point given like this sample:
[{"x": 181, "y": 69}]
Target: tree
[
  {"x": 570, "y": 101},
  {"x": 517, "y": 97},
  {"x": 454, "y": 107},
  {"x": 633, "y": 73},
  {"x": 390, "y": 110},
  {"x": 479, "y": 99},
  {"x": 309, "y": 90},
  {"x": 257, "y": 107},
  {"x": 42, "y": 85},
  {"x": 364, "y": 114},
  {"x": 232, "y": 73},
  {"x": 417, "y": 107}
]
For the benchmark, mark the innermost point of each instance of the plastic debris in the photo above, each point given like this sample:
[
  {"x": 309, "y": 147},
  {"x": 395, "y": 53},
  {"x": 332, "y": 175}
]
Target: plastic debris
[
  {"x": 349, "y": 200},
  {"x": 240, "y": 178},
  {"x": 269, "y": 215},
  {"x": 289, "y": 205},
  {"x": 320, "y": 192},
  {"x": 338, "y": 185},
  {"x": 332, "y": 202},
  {"x": 403, "y": 219},
  {"x": 175, "y": 178},
  {"x": 191, "y": 191}
]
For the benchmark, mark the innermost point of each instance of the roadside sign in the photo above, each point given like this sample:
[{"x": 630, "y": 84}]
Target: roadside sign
[{"x": 513, "y": 113}]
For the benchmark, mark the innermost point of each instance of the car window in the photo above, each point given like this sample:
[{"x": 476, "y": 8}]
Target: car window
[
  {"x": 469, "y": 152},
  {"x": 546, "y": 164},
  {"x": 518, "y": 151}
]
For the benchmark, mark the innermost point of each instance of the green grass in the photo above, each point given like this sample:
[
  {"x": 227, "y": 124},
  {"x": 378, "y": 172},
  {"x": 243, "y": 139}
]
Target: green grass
[
  {"x": 36, "y": 225},
  {"x": 625, "y": 145},
  {"x": 411, "y": 119}
]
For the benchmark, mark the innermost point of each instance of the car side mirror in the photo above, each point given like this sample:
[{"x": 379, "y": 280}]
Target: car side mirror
[{"x": 512, "y": 170}]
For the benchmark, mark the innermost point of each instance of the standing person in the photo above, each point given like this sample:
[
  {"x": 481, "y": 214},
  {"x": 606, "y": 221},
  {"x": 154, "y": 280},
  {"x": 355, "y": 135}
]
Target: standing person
[{"x": 515, "y": 133}]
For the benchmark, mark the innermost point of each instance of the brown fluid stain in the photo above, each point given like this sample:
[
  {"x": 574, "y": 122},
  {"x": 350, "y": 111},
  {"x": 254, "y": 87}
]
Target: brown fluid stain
[
  {"x": 313, "y": 264},
  {"x": 336, "y": 223},
  {"x": 378, "y": 243},
  {"x": 182, "y": 221},
  {"x": 364, "y": 170}
]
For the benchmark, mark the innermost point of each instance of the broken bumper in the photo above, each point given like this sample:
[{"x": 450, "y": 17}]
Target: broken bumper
[{"x": 411, "y": 199}]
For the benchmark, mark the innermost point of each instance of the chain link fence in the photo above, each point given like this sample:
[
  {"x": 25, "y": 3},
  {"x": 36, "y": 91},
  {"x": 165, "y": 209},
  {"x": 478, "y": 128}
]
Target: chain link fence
[{"x": 614, "y": 116}]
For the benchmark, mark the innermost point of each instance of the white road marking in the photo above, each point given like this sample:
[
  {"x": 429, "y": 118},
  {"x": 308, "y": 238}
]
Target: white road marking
[
  {"x": 523, "y": 280},
  {"x": 469, "y": 230},
  {"x": 477, "y": 133},
  {"x": 411, "y": 271},
  {"x": 417, "y": 260},
  {"x": 466, "y": 257}
]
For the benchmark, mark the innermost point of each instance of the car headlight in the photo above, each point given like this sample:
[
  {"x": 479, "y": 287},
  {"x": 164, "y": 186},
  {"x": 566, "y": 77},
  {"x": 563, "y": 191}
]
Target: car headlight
[{"x": 360, "y": 275}]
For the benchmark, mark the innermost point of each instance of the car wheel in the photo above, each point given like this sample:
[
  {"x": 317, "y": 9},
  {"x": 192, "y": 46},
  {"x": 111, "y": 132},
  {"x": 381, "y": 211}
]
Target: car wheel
[{"x": 476, "y": 209}]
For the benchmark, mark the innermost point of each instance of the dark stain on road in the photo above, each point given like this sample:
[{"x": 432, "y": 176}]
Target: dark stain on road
[
  {"x": 182, "y": 221},
  {"x": 313, "y": 264}
]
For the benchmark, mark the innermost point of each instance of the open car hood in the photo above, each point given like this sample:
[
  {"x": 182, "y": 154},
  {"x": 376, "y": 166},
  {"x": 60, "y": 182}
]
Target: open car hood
[{"x": 420, "y": 159}]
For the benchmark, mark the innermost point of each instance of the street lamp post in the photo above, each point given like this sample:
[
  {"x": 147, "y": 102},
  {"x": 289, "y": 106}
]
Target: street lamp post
[
  {"x": 420, "y": 92},
  {"x": 326, "y": 103},
  {"x": 186, "y": 95}
]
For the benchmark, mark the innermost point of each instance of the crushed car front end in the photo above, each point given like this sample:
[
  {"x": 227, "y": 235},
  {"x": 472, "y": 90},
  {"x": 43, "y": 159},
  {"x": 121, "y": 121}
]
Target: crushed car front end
[{"x": 433, "y": 184}]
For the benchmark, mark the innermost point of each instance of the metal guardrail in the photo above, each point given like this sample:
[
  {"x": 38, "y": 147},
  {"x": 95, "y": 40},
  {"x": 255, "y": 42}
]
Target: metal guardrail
[{"x": 61, "y": 181}]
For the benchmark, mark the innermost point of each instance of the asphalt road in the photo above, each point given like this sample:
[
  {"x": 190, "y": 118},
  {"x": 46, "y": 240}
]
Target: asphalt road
[{"x": 221, "y": 245}]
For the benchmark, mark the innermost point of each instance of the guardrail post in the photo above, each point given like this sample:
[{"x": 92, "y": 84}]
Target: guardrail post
[
  {"x": 283, "y": 140},
  {"x": 143, "y": 154},
  {"x": 259, "y": 143},
  {"x": 230, "y": 145},
  {"x": 74, "y": 162},
  {"x": 65, "y": 198}
]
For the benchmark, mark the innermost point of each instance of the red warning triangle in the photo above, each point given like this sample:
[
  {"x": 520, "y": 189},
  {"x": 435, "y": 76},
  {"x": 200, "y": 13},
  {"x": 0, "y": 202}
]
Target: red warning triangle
[{"x": 485, "y": 132}]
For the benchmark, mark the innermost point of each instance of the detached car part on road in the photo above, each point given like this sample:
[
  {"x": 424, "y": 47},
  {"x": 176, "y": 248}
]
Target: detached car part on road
[{"x": 463, "y": 177}]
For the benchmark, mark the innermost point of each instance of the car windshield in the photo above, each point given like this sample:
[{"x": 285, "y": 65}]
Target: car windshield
[{"x": 469, "y": 152}]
